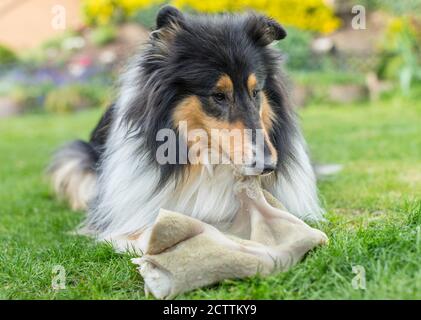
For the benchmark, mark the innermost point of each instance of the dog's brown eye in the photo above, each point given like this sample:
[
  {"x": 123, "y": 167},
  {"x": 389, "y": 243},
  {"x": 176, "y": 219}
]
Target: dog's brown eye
[
  {"x": 255, "y": 93},
  {"x": 219, "y": 97}
]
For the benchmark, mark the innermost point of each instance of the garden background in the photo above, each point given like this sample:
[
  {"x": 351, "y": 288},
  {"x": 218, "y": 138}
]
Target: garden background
[{"x": 355, "y": 82}]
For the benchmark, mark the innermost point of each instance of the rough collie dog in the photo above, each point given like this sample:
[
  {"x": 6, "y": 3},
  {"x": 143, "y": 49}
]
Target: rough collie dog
[{"x": 209, "y": 72}]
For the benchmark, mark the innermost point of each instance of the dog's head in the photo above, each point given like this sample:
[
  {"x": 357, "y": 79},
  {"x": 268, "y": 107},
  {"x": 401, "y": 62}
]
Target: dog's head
[{"x": 218, "y": 75}]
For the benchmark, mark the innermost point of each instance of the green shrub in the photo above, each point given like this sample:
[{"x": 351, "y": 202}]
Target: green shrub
[
  {"x": 400, "y": 56},
  {"x": 65, "y": 99},
  {"x": 98, "y": 94},
  {"x": 103, "y": 35},
  {"x": 29, "y": 97},
  {"x": 7, "y": 56},
  {"x": 75, "y": 97},
  {"x": 297, "y": 48}
]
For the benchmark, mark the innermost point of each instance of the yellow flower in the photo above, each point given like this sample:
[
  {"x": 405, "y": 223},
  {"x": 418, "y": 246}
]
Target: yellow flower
[
  {"x": 131, "y": 6},
  {"x": 312, "y": 15},
  {"x": 102, "y": 11}
]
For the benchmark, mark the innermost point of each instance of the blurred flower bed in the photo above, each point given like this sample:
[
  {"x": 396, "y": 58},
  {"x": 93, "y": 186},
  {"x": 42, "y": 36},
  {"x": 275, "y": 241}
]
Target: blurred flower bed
[
  {"x": 327, "y": 60},
  {"x": 72, "y": 72},
  {"x": 32, "y": 88},
  {"x": 34, "y": 84}
]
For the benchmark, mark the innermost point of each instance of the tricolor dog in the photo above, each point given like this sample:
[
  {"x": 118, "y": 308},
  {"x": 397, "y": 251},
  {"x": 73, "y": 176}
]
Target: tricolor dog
[{"x": 209, "y": 73}]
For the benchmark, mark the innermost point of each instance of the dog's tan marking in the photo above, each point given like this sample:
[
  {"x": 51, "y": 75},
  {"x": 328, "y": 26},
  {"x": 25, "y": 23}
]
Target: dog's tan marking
[
  {"x": 267, "y": 117},
  {"x": 273, "y": 152},
  {"x": 225, "y": 84},
  {"x": 251, "y": 83},
  {"x": 266, "y": 113},
  {"x": 190, "y": 110}
]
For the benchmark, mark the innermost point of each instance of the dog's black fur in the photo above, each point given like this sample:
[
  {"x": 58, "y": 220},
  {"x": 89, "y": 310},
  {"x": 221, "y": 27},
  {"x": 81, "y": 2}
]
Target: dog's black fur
[{"x": 185, "y": 56}]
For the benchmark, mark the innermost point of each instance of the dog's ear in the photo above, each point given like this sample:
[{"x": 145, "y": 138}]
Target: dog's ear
[
  {"x": 264, "y": 30},
  {"x": 169, "y": 16}
]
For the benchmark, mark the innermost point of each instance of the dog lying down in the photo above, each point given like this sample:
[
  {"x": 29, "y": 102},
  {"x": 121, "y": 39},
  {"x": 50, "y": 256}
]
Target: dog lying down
[{"x": 182, "y": 253}]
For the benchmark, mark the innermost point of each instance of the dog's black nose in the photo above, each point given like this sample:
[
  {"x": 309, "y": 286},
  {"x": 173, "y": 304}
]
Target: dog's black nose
[
  {"x": 264, "y": 167},
  {"x": 268, "y": 168}
]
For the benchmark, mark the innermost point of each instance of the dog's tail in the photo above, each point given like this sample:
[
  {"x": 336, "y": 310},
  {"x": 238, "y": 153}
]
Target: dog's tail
[{"x": 73, "y": 173}]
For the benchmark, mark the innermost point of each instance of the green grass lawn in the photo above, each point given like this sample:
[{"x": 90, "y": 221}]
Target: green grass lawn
[{"x": 374, "y": 214}]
